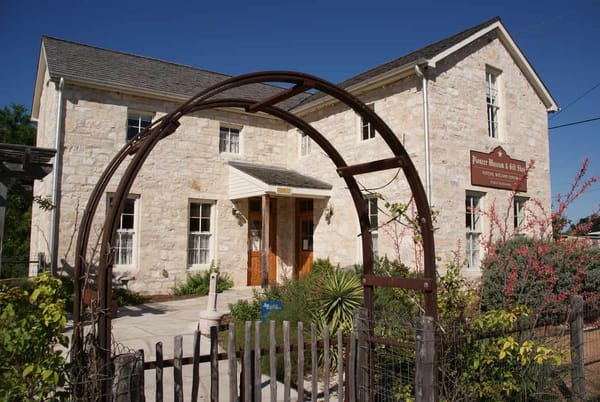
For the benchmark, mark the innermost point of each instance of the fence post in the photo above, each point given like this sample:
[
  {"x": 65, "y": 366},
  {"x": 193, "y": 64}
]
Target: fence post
[
  {"x": 577, "y": 357},
  {"x": 424, "y": 362},
  {"x": 214, "y": 364},
  {"x": 177, "y": 369},
  {"x": 128, "y": 384},
  {"x": 361, "y": 327}
]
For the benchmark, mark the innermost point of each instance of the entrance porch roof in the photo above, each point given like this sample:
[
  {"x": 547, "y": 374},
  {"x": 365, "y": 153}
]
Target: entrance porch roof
[{"x": 253, "y": 180}]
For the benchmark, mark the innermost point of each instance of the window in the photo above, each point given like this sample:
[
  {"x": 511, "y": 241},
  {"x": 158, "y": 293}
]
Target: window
[
  {"x": 374, "y": 222},
  {"x": 366, "y": 129},
  {"x": 229, "y": 140},
  {"x": 518, "y": 212},
  {"x": 493, "y": 105},
  {"x": 200, "y": 233},
  {"x": 473, "y": 229},
  {"x": 136, "y": 122},
  {"x": 305, "y": 144},
  {"x": 124, "y": 244}
]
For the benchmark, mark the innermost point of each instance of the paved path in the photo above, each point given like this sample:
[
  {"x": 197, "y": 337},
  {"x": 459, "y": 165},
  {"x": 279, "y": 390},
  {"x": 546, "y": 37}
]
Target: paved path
[{"x": 142, "y": 326}]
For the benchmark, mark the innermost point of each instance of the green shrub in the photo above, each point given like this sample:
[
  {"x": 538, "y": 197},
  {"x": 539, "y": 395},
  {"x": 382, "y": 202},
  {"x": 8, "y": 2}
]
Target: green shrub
[
  {"x": 539, "y": 274},
  {"x": 340, "y": 294},
  {"x": 199, "y": 283},
  {"x": 31, "y": 325}
]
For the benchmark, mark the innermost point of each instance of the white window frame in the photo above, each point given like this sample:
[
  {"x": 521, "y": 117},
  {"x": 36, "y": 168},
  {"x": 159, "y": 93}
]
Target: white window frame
[
  {"x": 129, "y": 234},
  {"x": 367, "y": 131},
  {"x": 137, "y": 121},
  {"x": 518, "y": 212},
  {"x": 201, "y": 235},
  {"x": 473, "y": 228},
  {"x": 373, "y": 212},
  {"x": 227, "y": 134},
  {"x": 492, "y": 78},
  {"x": 305, "y": 144}
]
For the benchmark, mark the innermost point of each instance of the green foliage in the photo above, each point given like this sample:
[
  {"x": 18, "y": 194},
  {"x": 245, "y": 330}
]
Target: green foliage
[
  {"x": 199, "y": 283},
  {"x": 395, "y": 301},
  {"x": 125, "y": 297},
  {"x": 512, "y": 366},
  {"x": 32, "y": 323},
  {"x": 244, "y": 310},
  {"x": 340, "y": 294},
  {"x": 16, "y": 128},
  {"x": 539, "y": 274}
]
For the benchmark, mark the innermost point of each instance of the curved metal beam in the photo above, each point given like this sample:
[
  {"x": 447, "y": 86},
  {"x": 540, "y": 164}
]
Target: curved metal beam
[{"x": 147, "y": 140}]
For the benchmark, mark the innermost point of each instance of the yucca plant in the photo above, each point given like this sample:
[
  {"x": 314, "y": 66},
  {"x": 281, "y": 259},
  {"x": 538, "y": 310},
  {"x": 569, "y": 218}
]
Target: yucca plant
[{"x": 340, "y": 294}]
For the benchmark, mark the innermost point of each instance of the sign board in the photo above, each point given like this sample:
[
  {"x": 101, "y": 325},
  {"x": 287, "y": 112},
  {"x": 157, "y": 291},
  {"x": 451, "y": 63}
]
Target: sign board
[
  {"x": 266, "y": 307},
  {"x": 498, "y": 170}
]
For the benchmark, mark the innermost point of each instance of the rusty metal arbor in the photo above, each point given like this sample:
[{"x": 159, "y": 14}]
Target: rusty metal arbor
[{"x": 143, "y": 144}]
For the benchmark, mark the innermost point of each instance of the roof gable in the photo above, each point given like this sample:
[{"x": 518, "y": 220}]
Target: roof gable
[{"x": 432, "y": 54}]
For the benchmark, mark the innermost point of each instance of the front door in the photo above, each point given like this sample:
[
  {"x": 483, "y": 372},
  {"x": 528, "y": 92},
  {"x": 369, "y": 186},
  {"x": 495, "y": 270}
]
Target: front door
[
  {"x": 255, "y": 242},
  {"x": 304, "y": 237}
]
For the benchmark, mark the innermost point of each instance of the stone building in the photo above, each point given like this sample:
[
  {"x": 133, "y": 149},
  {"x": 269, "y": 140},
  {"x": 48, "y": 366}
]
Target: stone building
[{"x": 470, "y": 110}]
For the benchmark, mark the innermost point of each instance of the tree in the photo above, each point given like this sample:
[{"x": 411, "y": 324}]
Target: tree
[
  {"x": 586, "y": 225},
  {"x": 16, "y": 127}
]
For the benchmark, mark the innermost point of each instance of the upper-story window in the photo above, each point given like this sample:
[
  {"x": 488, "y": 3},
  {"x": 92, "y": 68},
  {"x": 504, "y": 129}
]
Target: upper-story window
[
  {"x": 229, "y": 140},
  {"x": 305, "y": 144},
  {"x": 136, "y": 122},
  {"x": 366, "y": 128},
  {"x": 493, "y": 104}
]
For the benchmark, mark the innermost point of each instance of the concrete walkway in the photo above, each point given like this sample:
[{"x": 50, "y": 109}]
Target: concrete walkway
[{"x": 142, "y": 326}]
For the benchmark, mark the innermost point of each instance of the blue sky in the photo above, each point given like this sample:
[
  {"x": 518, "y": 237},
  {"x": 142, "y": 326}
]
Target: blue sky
[{"x": 332, "y": 39}]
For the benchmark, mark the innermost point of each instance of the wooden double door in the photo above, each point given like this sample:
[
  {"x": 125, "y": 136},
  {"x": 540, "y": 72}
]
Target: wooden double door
[{"x": 303, "y": 239}]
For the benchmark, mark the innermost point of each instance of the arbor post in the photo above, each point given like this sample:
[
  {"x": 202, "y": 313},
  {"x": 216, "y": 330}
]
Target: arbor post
[{"x": 425, "y": 378}]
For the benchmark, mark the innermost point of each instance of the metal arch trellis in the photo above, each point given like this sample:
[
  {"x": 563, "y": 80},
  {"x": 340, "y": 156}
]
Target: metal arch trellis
[{"x": 141, "y": 146}]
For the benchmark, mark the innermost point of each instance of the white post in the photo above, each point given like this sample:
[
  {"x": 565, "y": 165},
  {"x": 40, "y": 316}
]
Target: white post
[
  {"x": 212, "y": 293},
  {"x": 210, "y": 317}
]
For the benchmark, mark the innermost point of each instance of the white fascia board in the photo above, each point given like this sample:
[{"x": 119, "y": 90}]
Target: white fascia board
[
  {"x": 513, "y": 49},
  {"x": 373, "y": 82},
  {"x": 39, "y": 84}
]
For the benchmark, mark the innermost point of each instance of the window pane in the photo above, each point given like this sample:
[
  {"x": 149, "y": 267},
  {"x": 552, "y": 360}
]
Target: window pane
[
  {"x": 194, "y": 225},
  {"x": 127, "y": 222},
  {"x": 205, "y": 225},
  {"x": 206, "y": 210},
  {"x": 129, "y": 206},
  {"x": 235, "y": 141},
  {"x": 373, "y": 213},
  {"x": 222, "y": 141}
]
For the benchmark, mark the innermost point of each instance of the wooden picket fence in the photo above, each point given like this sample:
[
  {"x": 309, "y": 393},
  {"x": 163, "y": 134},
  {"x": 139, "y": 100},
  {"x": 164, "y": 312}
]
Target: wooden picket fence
[{"x": 246, "y": 384}]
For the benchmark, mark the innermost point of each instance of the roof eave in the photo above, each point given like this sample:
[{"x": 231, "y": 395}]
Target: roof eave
[
  {"x": 39, "y": 83},
  {"x": 377, "y": 81},
  {"x": 519, "y": 57}
]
